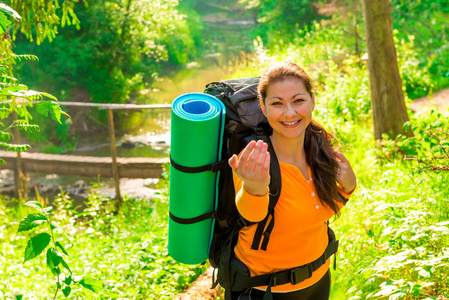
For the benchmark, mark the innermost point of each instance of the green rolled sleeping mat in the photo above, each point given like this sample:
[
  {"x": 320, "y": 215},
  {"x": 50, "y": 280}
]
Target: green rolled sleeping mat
[{"x": 197, "y": 124}]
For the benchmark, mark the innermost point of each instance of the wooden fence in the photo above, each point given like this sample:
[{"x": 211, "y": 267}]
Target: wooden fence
[{"x": 115, "y": 167}]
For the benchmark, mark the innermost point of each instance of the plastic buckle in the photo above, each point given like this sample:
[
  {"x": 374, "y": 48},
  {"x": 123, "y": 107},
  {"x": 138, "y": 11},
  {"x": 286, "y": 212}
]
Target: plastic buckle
[
  {"x": 241, "y": 222},
  {"x": 266, "y": 234},
  {"x": 274, "y": 282},
  {"x": 300, "y": 274},
  {"x": 258, "y": 131},
  {"x": 216, "y": 215}
]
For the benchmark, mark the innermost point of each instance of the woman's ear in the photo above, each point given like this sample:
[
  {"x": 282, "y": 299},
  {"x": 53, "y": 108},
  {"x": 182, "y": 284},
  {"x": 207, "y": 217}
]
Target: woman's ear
[
  {"x": 313, "y": 100},
  {"x": 262, "y": 107}
]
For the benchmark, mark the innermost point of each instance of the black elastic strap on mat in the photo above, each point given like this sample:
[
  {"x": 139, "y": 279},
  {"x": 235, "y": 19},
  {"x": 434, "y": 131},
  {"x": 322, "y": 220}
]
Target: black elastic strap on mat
[
  {"x": 215, "y": 167},
  {"x": 209, "y": 215}
]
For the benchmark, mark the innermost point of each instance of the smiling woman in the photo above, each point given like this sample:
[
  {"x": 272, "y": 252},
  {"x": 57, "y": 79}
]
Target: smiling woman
[{"x": 316, "y": 182}]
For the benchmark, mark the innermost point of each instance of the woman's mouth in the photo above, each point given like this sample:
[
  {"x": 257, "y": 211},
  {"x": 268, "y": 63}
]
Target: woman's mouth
[{"x": 291, "y": 123}]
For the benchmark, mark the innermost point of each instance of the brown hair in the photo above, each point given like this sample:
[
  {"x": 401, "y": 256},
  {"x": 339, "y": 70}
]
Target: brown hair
[{"x": 320, "y": 154}]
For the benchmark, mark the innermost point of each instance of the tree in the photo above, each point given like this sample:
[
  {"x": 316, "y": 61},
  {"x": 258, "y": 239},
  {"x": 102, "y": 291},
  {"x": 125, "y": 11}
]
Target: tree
[
  {"x": 15, "y": 97},
  {"x": 387, "y": 97}
]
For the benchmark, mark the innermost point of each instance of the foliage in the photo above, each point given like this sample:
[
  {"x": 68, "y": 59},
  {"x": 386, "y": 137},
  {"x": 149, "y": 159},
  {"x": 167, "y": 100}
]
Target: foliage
[
  {"x": 280, "y": 20},
  {"x": 403, "y": 239},
  {"x": 121, "y": 48},
  {"x": 56, "y": 253},
  {"x": 424, "y": 24},
  {"x": 16, "y": 97},
  {"x": 428, "y": 150},
  {"x": 133, "y": 261},
  {"x": 40, "y": 18}
]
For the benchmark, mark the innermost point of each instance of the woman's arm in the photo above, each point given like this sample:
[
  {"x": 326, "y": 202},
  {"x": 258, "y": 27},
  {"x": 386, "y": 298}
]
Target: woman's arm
[{"x": 251, "y": 180}]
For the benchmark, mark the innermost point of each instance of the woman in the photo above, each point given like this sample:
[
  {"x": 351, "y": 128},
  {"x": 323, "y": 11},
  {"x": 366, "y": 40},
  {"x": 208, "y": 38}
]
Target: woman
[{"x": 313, "y": 175}]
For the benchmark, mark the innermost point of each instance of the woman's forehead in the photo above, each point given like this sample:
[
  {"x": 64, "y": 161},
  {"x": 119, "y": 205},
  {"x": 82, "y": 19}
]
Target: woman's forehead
[{"x": 289, "y": 87}]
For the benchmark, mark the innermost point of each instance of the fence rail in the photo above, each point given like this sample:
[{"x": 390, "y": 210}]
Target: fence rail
[{"x": 115, "y": 167}]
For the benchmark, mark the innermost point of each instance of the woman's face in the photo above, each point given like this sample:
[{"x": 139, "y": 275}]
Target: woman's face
[{"x": 288, "y": 107}]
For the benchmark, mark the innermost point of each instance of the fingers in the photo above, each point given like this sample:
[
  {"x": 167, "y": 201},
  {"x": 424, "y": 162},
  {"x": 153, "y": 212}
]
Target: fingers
[
  {"x": 254, "y": 162},
  {"x": 246, "y": 154},
  {"x": 340, "y": 157},
  {"x": 266, "y": 166},
  {"x": 233, "y": 162}
]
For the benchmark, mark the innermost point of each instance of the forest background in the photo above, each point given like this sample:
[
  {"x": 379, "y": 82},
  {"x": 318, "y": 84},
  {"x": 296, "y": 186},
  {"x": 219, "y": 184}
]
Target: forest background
[{"x": 394, "y": 233}]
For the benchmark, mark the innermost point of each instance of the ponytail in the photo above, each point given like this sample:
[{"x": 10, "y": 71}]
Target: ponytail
[{"x": 321, "y": 159}]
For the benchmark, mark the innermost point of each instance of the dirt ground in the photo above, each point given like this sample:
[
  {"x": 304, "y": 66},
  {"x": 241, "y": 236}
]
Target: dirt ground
[
  {"x": 201, "y": 288},
  {"x": 439, "y": 100}
]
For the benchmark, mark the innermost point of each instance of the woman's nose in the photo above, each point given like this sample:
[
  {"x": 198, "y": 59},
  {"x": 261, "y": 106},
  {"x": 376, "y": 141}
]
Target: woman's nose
[{"x": 289, "y": 110}]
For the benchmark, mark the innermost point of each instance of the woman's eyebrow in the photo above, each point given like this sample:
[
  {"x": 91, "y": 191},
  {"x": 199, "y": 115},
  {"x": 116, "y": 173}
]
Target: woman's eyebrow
[{"x": 293, "y": 97}]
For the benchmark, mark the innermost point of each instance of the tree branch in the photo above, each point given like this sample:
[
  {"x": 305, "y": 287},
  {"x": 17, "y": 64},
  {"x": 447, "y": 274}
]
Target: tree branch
[{"x": 416, "y": 19}]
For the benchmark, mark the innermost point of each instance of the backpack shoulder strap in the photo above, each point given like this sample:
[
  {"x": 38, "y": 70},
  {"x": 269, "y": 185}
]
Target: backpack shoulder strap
[{"x": 275, "y": 191}]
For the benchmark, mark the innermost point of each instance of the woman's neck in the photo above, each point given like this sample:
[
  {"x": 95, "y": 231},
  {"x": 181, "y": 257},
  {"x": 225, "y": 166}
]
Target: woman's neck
[{"x": 289, "y": 151}]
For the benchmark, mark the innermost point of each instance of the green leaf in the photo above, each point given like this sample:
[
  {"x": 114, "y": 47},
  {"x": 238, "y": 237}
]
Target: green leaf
[
  {"x": 30, "y": 94},
  {"x": 45, "y": 107},
  {"x": 36, "y": 245},
  {"x": 15, "y": 147},
  {"x": 53, "y": 258},
  {"x": 66, "y": 291},
  {"x": 424, "y": 273},
  {"x": 49, "y": 96},
  {"x": 31, "y": 221},
  {"x": 34, "y": 204},
  {"x": 5, "y": 136},
  {"x": 68, "y": 280},
  {"x": 56, "y": 271},
  {"x": 54, "y": 225},
  {"x": 4, "y": 23},
  {"x": 65, "y": 265},
  {"x": 9, "y": 11},
  {"x": 48, "y": 210},
  {"x": 58, "y": 244},
  {"x": 91, "y": 284}
]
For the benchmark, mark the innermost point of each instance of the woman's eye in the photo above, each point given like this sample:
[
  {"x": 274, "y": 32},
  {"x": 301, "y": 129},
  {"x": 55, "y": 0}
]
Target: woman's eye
[
  {"x": 276, "y": 103},
  {"x": 299, "y": 100}
]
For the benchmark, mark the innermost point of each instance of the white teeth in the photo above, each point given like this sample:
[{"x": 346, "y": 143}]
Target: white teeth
[{"x": 292, "y": 123}]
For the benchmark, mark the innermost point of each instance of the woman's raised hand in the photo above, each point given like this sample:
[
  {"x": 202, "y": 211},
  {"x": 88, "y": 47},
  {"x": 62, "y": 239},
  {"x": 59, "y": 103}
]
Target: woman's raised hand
[
  {"x": 345, "y": 175},
  {"x": 253, "y": 167}
]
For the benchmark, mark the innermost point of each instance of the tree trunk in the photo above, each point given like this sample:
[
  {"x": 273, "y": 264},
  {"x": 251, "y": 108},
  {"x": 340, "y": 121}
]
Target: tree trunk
[{"x": 387, "y": 97}]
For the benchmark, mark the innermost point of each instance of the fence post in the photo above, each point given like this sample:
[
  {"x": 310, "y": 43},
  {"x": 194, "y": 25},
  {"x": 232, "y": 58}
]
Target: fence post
[
  {"x": 115, "y": 174},
  {"x": 20, "y": 181}
]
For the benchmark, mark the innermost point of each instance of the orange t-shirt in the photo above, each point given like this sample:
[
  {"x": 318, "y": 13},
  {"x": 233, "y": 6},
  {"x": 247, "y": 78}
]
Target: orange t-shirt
[{"x": 299, "y": 235}]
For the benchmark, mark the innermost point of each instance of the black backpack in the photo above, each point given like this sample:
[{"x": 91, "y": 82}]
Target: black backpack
[{"x": 244, "y": 122}]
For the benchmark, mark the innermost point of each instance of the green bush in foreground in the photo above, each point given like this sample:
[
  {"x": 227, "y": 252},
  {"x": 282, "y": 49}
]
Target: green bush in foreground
[{"x": 127, "y": 253}]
